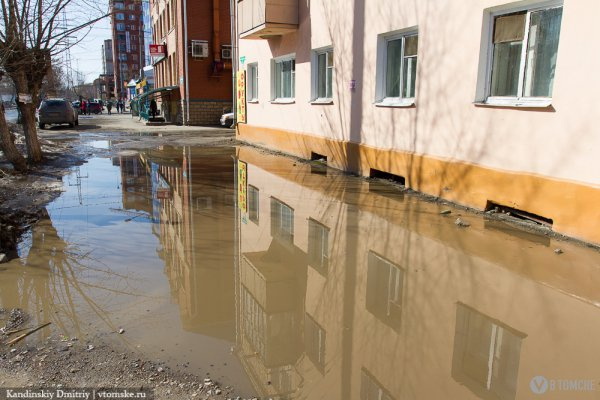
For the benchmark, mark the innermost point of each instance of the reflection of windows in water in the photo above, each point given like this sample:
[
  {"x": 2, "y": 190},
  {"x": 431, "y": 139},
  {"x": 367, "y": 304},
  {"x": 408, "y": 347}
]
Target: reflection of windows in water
[
  {"x": 384, "y": 290},
  {"x": 314, "y": 342},
  {"x": 371, "y": 389},
  {"x": 253, "y": 322},
  {"x": 229, "y": 199},
  {"x": 282, "y": 221},
  {"x": 281, "y": 379},
  {"x": 271, "y": 335},
  {"x": 253, "y": 203},
  {"x": 318, "y": 246},
  {"x": 204, "y": 203},
  {"x": 486, "y": 355}
]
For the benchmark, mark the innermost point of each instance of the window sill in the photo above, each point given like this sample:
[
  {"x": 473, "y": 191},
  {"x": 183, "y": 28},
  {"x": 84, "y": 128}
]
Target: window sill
[
  {"x": 516, "y": 103},
  {"x": 253, "y": 101},
  {"x": 402, "y": 103},
  {"x": 318, "y": 102},
  {"x": 283, "y": 101}
]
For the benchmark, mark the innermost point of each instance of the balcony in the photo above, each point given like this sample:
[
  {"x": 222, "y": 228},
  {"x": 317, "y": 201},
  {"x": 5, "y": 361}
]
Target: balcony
[{"x": 263, "y": 19}]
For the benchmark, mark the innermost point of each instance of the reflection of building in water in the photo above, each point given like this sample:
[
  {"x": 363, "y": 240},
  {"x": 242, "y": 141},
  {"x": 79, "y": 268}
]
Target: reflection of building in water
[
  {"x": 135, "y": 184},
  {"x": 486, "y": 355},
  {"x": 191, "y": 196},
  {"x": 346, "y": 292}
]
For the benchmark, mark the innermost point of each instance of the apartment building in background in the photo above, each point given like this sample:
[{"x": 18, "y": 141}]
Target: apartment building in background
[
  {"x": 127, "y": 43},
  {"x": 486, "y": 104},
  {"x": 197, "y": 57},
  {"x": 106, "y": 80}
]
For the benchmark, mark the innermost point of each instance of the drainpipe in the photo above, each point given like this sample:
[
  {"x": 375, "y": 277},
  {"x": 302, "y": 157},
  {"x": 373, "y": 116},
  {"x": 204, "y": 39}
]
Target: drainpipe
[
  {"x": 216, "y": 39},
  {"x": 187, "y": 83},
  {"x": 234, "y": 59}
]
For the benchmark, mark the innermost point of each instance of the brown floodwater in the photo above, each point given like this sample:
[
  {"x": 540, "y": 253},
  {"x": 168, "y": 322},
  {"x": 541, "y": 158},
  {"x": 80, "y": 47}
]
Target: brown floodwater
[{"x": 287, "y": 280}]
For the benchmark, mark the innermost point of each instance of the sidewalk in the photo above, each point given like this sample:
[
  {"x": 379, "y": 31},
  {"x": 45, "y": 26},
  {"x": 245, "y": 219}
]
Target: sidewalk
[{"x": 127, "y": 123}]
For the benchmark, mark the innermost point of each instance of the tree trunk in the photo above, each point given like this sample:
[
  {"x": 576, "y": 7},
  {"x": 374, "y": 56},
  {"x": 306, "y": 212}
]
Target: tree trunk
[
  {"x": 34, "y": 149},
  {"x": 8, "y": 146}
]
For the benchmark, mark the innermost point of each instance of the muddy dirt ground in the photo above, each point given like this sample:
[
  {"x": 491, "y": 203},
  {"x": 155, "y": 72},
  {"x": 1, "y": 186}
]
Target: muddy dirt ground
[{"x": 67, "y": 362}]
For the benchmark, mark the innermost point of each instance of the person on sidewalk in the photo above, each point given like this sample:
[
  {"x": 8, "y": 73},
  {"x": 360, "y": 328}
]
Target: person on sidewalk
[
  {"x": 153, "y": 108},
  {"x": 83, "y": 107},
  {"x": 109, "y": 107}
]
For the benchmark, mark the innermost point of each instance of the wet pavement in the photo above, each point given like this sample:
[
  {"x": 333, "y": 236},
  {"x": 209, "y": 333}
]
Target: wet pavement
[{"x": 286, "y": 279}]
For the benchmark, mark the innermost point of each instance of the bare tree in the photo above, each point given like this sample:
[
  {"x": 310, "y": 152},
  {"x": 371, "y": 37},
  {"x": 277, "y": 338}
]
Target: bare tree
[
  {"x": 32, "y": 32},
  {"x": 7, "y": 143}
]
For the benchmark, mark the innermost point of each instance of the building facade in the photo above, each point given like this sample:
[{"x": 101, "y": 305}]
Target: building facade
[
  {"x": 481, "y": 104},
  {"x": 197, "y": 37},
  {"x": 127, "y": 43}
]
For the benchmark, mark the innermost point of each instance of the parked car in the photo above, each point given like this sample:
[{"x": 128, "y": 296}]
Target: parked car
[
  {"x": 227, "y": 119},
  {"x": 94, "y": 107},
  {"x": 56, "y": 111}
]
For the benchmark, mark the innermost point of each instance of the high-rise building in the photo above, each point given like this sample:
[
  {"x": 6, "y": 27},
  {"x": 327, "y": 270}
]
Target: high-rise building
[
  {"x": 127, "y": 43},
  {"x": 107, "y": 58}
]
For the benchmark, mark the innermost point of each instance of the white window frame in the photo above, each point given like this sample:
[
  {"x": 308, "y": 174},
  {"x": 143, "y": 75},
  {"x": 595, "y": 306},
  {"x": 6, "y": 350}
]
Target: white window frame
[
  {"x": 315, "y": 99},
  {"x": 120, "y": 27},
  {"x": 380, "y": 88},
  {"x": 484, "y": 82},
  {"x": 252, "y": 81},
  {"x": 274, "y": 62}
]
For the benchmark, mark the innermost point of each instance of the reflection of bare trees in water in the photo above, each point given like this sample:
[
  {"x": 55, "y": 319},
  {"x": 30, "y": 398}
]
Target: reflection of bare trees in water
[{"x": 58, "y": 282}]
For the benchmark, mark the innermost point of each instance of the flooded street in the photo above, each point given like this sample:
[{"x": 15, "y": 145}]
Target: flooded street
[{"x": 288, "y": 280}]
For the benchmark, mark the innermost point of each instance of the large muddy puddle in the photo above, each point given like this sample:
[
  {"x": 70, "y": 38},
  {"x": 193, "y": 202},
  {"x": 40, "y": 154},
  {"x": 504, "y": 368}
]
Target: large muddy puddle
[{"x": 288, "y": 280}]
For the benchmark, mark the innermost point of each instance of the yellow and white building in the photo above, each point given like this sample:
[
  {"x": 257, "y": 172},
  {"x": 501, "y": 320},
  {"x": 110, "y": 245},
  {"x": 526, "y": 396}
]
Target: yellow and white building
[{"x": 485, "y": 103}]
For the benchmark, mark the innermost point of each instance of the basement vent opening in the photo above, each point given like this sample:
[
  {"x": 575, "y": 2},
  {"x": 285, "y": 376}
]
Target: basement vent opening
[
  {"x": 319, "y": 163},
  {"x": 515, "y": 212},
  {"x": 318, "y": 157},
  {"x": 375, "y": 173}
]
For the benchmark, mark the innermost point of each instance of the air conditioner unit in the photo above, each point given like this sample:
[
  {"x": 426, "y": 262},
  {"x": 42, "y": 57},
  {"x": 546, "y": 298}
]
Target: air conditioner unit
[
  {"x": 226, "y": 52},
  {"x": 199, "y": 48}
]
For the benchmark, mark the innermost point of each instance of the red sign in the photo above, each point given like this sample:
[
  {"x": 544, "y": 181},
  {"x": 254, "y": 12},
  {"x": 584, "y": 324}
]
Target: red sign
[
  {"x": 163, "y": 193},
  {"x": 158, "y": 50}
]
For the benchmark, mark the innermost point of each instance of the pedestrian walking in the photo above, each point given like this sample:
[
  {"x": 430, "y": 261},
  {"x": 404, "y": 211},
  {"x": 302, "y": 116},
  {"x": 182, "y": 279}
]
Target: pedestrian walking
[
  {"x": 109, "y": 107},
  {"x": 83, "y": 107}
]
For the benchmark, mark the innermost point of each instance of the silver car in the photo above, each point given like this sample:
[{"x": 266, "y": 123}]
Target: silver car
[{"x": 56, "y": 111}]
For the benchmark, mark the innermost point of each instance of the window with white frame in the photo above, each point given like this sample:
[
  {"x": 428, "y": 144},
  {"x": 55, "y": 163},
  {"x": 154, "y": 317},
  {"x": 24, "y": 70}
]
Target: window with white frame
[
  {"x": 523, "y": 53},
  {"x": 119, "y": 6},
  {"x": 323, "y": 74},
  {"x": 252, "y": 90},
  {"x": 282, "y": 221},
  {"x": 120, "y": 16},
  {"x": 397, "y": 67},
  {"x": 120, "y": 27},
  {"x": 318, "y": 246},
  {"x": 385, "y": 285},
  {"x": 284, "y": 78},
  {"x": 314, "y": 339},
  {"x": 253, "y": 203}
]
